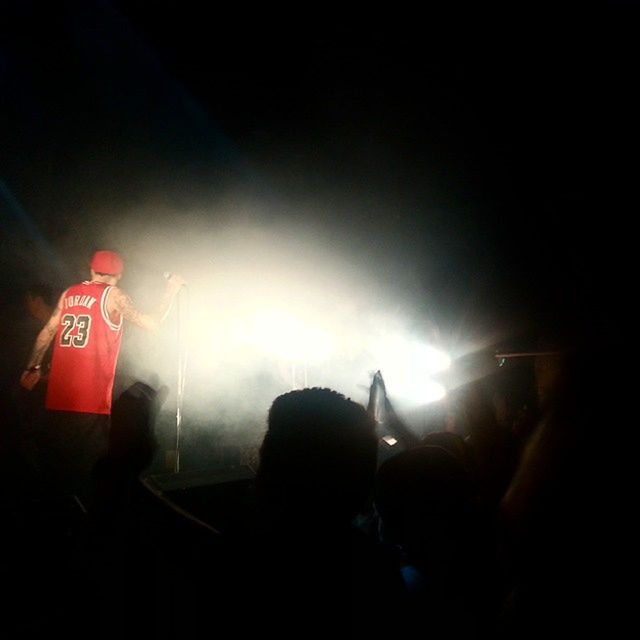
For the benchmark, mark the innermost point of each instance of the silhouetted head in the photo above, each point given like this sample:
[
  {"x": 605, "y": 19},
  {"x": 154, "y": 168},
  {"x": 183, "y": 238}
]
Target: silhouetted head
[
  {"x": 319, "y": 452},
  {"x": 38, "y": 301},
  {"x": 424, "y": 497},
  {"x": 454, "y": 444}
]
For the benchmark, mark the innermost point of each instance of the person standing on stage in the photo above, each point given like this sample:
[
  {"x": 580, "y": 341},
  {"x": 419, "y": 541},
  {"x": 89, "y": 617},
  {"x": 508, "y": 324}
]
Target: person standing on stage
[{"x": 86, "y": 330}]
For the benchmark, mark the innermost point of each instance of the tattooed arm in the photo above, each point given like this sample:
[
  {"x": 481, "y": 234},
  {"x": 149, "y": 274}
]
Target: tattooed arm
[
  {"x": 120, "y": 302},
  {"x": 31, "y": 375}
]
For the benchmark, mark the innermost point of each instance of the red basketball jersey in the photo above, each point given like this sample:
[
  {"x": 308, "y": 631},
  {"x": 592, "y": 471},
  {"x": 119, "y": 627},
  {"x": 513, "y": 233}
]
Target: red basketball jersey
[{"x": 85, "y": 351}]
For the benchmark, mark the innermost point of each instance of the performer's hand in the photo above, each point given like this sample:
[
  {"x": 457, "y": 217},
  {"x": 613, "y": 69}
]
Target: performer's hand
[
  {"x": 30, "y": 378},
  {"x": 175, "y": 282}
]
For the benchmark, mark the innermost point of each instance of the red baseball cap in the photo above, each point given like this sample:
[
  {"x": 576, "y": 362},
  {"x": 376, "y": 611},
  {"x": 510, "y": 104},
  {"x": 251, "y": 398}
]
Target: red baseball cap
[{"x": 107, "y": 262}]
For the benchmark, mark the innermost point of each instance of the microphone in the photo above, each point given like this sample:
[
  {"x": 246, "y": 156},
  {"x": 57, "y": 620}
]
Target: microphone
[{"x": 167, "y": 276}]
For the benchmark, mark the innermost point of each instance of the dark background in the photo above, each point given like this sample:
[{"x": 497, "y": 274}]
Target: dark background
[{"x": 495, "y": 141}]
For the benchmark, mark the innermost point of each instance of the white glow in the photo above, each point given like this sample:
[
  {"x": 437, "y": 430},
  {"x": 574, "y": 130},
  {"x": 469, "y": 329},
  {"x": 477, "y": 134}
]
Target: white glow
[
  {"x": 407, "y": 367},
  {"x": 420, "y": 391},
  {"x": 284, "y": 335},
  {"x": 434, "y": 360},
  {"x": 396, "y": 353},
  {"x": 268, "y": 310}
]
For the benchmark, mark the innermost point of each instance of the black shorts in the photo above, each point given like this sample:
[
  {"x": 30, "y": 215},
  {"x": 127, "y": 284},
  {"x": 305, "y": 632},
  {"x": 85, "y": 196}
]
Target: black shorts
[{"x": 72, "y": 444}]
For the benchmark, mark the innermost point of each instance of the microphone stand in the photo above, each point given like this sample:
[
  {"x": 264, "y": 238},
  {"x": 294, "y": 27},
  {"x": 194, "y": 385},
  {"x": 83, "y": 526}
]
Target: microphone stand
[{"x": 182, "y": 369}]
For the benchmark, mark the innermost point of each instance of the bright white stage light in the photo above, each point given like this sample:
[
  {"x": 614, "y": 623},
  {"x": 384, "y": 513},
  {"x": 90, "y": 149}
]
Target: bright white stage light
[
  {"x": 421, "y": 391},
  {"x": 407, "y": 367},
  {"x": 435, "y": 361}
]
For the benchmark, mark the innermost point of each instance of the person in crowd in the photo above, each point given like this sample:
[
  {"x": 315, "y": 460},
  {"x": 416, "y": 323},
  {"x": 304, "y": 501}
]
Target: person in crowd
[
  {"x": 23, "y": 411},
  {"x": 561, "y": 514},
  {"x": 317, "y": 465},
  {"x": 427, "y": 504}
]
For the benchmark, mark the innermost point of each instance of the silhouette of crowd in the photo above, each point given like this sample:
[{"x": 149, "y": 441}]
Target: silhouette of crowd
[{"x": 495, "y": 523}]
